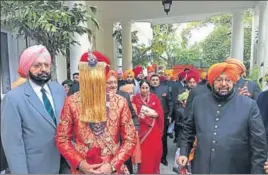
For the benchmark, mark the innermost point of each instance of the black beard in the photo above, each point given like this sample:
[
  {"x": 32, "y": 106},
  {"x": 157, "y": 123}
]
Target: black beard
[
  {"x": 40, "y": 80},
  {"x": 138, "y": 79},
  {"x": 130, "y": 82},
  {"x": 222, "y": 97}
]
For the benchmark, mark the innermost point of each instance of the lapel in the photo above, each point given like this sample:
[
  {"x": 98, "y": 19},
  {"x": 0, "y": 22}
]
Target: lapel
[
  {"x": 56, "y": 99},
  {"x": 37, "y": 104}
]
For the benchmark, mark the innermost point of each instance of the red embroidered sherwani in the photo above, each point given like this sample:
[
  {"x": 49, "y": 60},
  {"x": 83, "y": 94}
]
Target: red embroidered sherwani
[{"x": 74, "y": 138}]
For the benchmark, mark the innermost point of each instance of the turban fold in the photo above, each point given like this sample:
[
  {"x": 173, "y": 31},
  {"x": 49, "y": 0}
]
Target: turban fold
[
  {"x": 137, "y": 70},
  {"x": 127, "y": 73},
  {"x": 217, "y": 69},
  {"x": 29, "y": 56},
  {"x": 100, "y": 58},
  {"x": 203, "y": 75},
  {"x": 112, "y": 73},
  {"x": 192, "y": 74},
  {"x": 239, "y": 65},
  {"x": 168, "y": 72},
  {"x": 154, "y": 66},
  {"x": 182, "y": 75},
  {"x": 93, "y": 69},
  {"x": 150, "y": 69},
  {"x": 174, "y": 77}
]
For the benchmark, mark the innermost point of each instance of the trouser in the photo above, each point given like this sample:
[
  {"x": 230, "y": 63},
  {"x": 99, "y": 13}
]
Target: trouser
[
  {"x": 176, "y": 129},
  {"x": 164, "y": 140},
  {"x": 128, "y": 163},
  {"x": 64, "y": 166}
]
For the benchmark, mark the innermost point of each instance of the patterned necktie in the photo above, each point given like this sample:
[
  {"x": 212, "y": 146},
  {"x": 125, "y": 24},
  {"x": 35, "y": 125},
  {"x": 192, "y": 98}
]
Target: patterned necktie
[{"x": 48, "y": 105}]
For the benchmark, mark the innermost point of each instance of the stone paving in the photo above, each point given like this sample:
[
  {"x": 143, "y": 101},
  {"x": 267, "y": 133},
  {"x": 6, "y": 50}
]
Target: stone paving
[{"x": 170, "y": 158}]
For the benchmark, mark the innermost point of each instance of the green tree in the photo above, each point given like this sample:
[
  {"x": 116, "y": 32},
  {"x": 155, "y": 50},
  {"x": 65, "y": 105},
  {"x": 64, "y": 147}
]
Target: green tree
[
  {"x": 216, "y": 47},
  {"x": 49, "y": 23},
  {"x": 165, "y": 44}
]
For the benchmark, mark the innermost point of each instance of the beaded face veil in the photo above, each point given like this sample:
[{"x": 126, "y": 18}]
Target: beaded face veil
[{"x": 93, "y": 67}]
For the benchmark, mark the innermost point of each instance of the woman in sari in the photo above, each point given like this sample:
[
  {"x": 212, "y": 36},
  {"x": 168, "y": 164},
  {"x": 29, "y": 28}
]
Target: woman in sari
[{"x": 151, "y": 118}]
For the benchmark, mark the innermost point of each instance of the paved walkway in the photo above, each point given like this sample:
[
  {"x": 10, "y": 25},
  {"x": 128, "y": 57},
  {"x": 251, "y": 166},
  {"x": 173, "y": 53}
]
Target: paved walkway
[{"x": 170, "y": 158}]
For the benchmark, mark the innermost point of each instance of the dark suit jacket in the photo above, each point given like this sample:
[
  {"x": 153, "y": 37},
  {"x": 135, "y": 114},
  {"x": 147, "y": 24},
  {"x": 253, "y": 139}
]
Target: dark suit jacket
[
  {"x": 199, "y": 89},
  {"x": 230, "y": 135},
  {"x": 164, "y": 94},
  {"x": 133, "y": 113},
  {"x": 253, "y": 87},
  {"x": 74, "y": 88},
  {"x": 263, "y": 106}
]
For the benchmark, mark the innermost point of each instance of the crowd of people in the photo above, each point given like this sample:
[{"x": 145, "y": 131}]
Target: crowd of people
[{"x": 110, "y": 121}]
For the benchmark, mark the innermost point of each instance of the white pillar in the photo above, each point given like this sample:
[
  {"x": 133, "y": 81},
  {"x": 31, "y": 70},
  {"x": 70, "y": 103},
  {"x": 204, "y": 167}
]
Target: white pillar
[
  {"x": 262, "y": 39},
  {"x": 77, "y": 50},
  {"x": 126, "y": 45},
  {"x": 237, "y": 45},
  {"x": 255, "y": 25},
  {"x": 108, "y": 43},
  {"x": 115, "y": 54}
]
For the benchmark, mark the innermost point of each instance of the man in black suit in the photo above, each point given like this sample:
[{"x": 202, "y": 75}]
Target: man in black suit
[{"x": 165, "y": 96}]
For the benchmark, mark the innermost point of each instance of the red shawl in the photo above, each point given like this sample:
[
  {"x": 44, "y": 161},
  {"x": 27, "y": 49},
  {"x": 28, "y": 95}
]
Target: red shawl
[{"x": 147, "y": 123}]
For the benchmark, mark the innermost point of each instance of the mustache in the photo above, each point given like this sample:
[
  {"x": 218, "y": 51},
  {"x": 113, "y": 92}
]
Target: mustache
[{"x": 43, "y": 74}]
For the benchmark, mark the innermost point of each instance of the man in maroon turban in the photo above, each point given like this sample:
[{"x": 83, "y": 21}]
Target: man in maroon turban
[
  {"x": 192, "y": 79},
  {"x": 138, "y": 71},
  {"x": 229, "y": 129}
]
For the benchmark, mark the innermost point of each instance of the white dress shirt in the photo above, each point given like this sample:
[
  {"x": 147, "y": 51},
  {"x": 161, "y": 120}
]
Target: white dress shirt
[{"x": 37, "y": 90}]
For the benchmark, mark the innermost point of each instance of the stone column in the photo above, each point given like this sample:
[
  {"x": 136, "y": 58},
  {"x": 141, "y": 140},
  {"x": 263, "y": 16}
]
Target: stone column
[
  {"x": 126, "y": 45},
  {"x": 255, "y": 25},
  {"x": 262, "y": 39},
  {"x": 108, "y": 43},
  {"x": 237, "y": 45},
  {"x": 77, "y": 50}
]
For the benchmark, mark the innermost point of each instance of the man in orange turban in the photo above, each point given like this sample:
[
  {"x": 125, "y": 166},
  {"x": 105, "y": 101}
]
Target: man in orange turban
[
  {"x": 224, "y": 124},
  {"x": 150, "y": 69},
  {"x": 243, "y": 86},
  {"x": 94, "y": 119},
  {"x": 129, "y": 77}
]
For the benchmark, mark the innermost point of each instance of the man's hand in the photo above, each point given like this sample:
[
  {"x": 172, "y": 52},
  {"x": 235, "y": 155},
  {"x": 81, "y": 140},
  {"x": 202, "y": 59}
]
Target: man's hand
[
  {"x": 266, "y": 167},
  {"x": 244, "y": 91},
  {"x": 169, "y": 120},
  {"x": 90, "y": 169},
  {"x": 182, "y": 160},
  {"x": 106, "y": 168}
]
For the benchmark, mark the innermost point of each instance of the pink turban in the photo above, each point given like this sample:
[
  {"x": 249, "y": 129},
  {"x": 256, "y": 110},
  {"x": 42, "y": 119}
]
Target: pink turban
[{"x": 29, "y": 56}]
